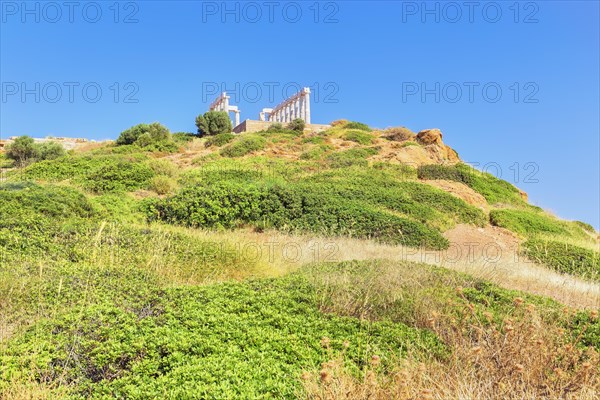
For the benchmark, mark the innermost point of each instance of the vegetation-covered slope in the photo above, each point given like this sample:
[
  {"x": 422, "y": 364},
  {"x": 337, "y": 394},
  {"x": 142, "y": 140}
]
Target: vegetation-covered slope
[{"x": 125, "y": 273}]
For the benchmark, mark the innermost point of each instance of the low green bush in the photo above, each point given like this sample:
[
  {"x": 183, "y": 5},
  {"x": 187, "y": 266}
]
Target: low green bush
[
  {"x": 163, "y": 167},
  {"x": 530, "y": 223},
  {"x": 302, "y": 208},
  {"x": 183, "y": 137},
  {"x": 493, "y": 189},
  {"x": 231, "y": 340},
  {"x": 380, "y": 188},
  {"x": 28, "y": 201},
  {"x": 118, "y": 177},
  {"x": 219, "y": 140},
  {"x": 316, "y": 153},
  {"x": 357, "y": 125},
  {"x": 352, "y": 157},
  {"x": 276, "y": 127},
  {"x": 246, "y": 144},
  {"x": 99, "y": 174},
  {"x": 585, "y": 226},
  {"x": 117, "y": 207},
  {"x": 315, "y": 139},
  {"x": 148, "y": 133},
  {"x": 162, "y": 184},
  {"x": 24, "y": 150},
  {"x": 564, "y": 257},
  {"x": 297, "y": 126},
  {"x": 360, "y": 137}
]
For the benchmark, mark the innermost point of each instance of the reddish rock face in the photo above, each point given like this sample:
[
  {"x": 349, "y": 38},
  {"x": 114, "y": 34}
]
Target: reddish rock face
[{"x": 430, "y": 136}]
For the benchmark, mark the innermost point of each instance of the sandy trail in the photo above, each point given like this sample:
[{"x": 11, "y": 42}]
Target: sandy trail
[{"x": 489, "y": 253}]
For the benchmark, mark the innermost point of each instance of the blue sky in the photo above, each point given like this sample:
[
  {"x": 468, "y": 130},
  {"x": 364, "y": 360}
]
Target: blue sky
[{"x": 514, "y": 87}]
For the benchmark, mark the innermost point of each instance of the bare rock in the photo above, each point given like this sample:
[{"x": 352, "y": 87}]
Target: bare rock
[{"x": 430, "y": 136}]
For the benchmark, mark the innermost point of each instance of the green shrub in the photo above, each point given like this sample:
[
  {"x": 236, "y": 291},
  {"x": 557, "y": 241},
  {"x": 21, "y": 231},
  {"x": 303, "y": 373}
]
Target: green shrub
[
  {"x": 183, "y": 137},
  {"x": 275, "y": 127},
  {"x": 530, "y": 223},
  {"x": 315, "y": 139},
  {"x": 585, "y": 226},
  {"x": 316, "y": 153},
  {"x": 117, "y": 207},
  {"x": 28, "y": 201},
  {"x": 418, "y": 201},
  {"x": 290, "y": 208},
  {"x": 22, "y": 151},
  {"x": 351, "y": 157},
  {"x": 493, "y": 189},
  {"x": 213, "y": 123},
  {"x": 360, "y": 137},
  {"x": 398, "y": 171},
  {"x": 220, "y": 139},
  {"x": 357, "y": 125},
  {"x": 447, "y": 172},
  {"x": 51, "y": 151},
  {"x": 119, "y": 176},
  {"x": 257, "y": 337},
  {"x": 6, "y": 162},
  {"x": 162, "y": 184},
  {"x": 297, "y": 125},
  {"x": 163, "y": 167},
  {"x": 149, "y": 133},
  {"x": 564, "y": 257},
  {"x": 245, "y": 145}
]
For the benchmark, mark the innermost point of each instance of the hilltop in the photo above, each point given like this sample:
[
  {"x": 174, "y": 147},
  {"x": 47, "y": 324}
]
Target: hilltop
[{"x": 348, "y": 263}]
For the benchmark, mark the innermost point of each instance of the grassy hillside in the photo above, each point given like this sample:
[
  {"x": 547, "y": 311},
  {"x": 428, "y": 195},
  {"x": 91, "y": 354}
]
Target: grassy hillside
[{"x": 129, "y": 273}]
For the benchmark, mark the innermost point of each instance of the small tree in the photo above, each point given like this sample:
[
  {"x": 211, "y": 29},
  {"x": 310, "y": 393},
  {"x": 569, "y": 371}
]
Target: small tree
[
  {"x": 22, "y": 150},
  {"x": 202, "y": 125},
  {"x": 297, "y": 125},
  {"x": 213, "y": 123},
  {"x": 154, "y": 132},
  {"x": 129, "y": 136},
  {"x": 158, "y": 132},
  {"x": 51, "y": 151}
]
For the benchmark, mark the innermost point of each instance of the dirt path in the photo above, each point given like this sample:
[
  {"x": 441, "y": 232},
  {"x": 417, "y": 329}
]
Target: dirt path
[{"x": 490, "y": 253}]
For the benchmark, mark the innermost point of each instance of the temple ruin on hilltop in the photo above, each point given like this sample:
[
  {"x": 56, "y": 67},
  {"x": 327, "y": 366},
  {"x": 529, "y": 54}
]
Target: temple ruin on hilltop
[{"x": 294, "y": 107}]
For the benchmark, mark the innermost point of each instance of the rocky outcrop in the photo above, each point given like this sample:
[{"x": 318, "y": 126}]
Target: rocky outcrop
[
  {"x": 426, "y": 147},
  {"x": 399, "y": 134},
  {"x": 428, "y": 137},
  {"x": 431, "y": 139}
]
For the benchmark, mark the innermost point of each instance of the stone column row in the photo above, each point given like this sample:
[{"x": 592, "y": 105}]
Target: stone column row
[{"x": 295, "y": 107}]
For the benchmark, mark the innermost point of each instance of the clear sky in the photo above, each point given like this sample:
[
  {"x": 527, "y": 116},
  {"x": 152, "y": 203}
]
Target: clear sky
[{"x": 514, "y": 86}]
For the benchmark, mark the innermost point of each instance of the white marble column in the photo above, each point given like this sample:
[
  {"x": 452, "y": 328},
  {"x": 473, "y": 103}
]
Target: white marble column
[
  {"x": 296, "y": 108},
  {"x": 307, "y": 100}
]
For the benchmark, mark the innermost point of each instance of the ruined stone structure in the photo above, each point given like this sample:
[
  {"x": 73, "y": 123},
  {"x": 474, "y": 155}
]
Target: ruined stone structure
[
  {"x": 222, "y": 104},
  {"x": 294, "y": 107}
]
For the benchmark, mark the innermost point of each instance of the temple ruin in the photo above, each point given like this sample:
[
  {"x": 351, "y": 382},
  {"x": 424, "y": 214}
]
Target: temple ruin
[
  {"x": 294, "y": 107},
  {"x": 297, "y": 106}
]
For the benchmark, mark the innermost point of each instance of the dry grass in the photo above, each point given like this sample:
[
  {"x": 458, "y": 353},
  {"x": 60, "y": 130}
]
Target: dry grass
[
  {"x": 474, "y": 251},
  {"x": 521, "y": 357},
  {"x": 32, "y": 391}
]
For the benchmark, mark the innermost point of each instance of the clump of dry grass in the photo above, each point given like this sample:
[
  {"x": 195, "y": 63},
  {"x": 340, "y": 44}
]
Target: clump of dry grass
[{"x": 520, "y": 357}]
